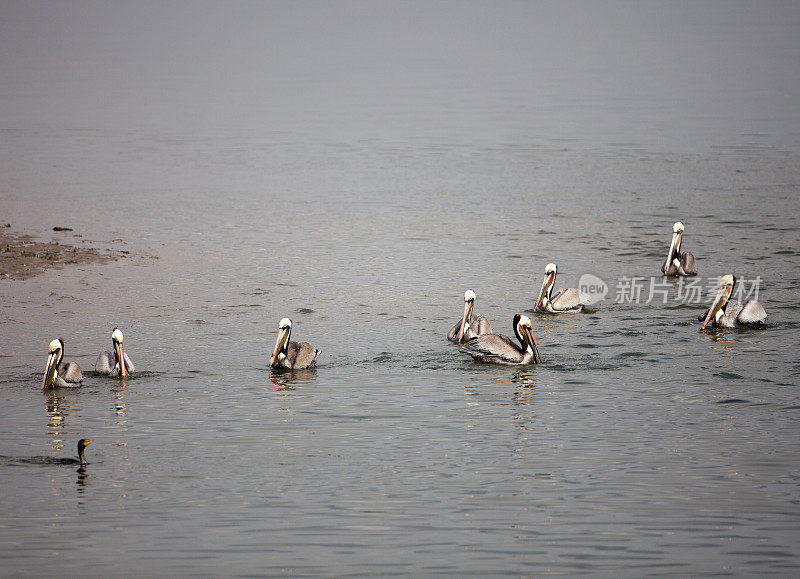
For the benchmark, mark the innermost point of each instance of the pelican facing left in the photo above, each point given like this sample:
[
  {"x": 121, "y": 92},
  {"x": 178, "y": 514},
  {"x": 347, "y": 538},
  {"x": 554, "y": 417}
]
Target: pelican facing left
[
  {"x": 565, "y": 300},
  {"x": 500, "y": 349},
  {"x": 116, "y": 362},
  {"x": 66, "y": 375},
  {"x": 727, "y": 313},
  {"x": 291, "y": 355}
]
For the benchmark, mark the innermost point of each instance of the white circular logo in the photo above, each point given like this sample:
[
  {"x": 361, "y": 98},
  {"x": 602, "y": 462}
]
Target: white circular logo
[{"x": 592, "y": 289}]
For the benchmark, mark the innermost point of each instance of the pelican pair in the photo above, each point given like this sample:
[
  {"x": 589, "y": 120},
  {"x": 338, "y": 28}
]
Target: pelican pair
[
  {"x": 475, "y": 332},
  {"x": 69, "y": 375}
]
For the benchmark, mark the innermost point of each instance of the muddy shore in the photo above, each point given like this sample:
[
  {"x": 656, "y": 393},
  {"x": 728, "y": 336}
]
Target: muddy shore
[{"x": 23, "y": 255}]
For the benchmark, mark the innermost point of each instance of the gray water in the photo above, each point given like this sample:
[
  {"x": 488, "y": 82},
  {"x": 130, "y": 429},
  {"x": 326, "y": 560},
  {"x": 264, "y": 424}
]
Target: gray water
[{"x": 357, "y": 167}]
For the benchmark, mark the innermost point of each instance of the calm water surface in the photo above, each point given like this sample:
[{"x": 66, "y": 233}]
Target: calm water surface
[{"x": 641, "y": 446}]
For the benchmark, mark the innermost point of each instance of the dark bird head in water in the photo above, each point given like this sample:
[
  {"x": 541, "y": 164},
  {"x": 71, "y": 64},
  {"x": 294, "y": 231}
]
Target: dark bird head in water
[{"x": 82, "y": 444}]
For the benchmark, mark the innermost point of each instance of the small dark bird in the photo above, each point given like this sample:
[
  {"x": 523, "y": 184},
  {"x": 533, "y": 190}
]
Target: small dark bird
[{"x": 81, "y": 460}]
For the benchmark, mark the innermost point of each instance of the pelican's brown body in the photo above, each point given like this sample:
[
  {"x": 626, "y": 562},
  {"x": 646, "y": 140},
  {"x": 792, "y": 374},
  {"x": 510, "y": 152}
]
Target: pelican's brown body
[{"x": 288, "y": 355}]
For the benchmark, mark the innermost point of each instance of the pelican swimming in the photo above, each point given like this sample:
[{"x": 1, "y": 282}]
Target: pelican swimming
[
  {"x": 291, "y": 355},
  {"x": 108, "y": 362},
  {"x": 678, "y": 263},
  {"x": 471, "y": 324},
  {"x": 500, "y": 349},
  {"x": 66, "y": 375},
  {"x": 565, "y": 300},
  {"x": 728, "y": 313}
]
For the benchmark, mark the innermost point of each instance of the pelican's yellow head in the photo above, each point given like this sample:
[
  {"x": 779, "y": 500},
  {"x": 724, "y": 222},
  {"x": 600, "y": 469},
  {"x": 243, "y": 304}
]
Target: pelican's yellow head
[
  {"x": 55, "y": 346},
  {"x": 678, "y": 227}
]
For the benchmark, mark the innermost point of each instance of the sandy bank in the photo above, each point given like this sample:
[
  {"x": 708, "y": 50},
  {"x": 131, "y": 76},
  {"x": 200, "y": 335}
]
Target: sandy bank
[{"x": 23, "y": 255}]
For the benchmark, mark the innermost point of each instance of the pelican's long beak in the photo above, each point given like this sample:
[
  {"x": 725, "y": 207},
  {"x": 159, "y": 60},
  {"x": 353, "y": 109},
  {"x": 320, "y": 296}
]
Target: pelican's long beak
[
  {"x": 676, "y": 241},
  {"x": 723, "y": 293},
  {"x": 468, "y": 305},
  {"x": 123, "y": 372},
  {"x": 283, "y": 336},
  {"x": 528, "y": 334},
  {"x": 543, "y": 290},
  {"x": 50, "y": 371}
]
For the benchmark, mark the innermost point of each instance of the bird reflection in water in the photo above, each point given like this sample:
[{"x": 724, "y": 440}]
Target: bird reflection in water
[
  {"x": 83, "y": 479},
  {"x": 523, "y": 397},
  {"x": 119, "y": 402},
  {"x": 523, "y": 394},
  {"x": 56, "y": 417},
  {"x": 721, "y": 342},
  {"x": 286, "y": 381}
]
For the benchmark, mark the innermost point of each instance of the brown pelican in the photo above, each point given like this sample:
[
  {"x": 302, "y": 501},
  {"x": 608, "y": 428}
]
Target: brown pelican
[
  {"x": 565, "y": 300},
  {"x": 291, "y": 355},
  {"x": 727, "y": 313},
  {"x": 108, "y": 362},
  {"x": 500, "y": 349},
  {"x": 678, "y": 263},
  {"x": 66, "y": 375},
  {"x": 470, "y": 325}
]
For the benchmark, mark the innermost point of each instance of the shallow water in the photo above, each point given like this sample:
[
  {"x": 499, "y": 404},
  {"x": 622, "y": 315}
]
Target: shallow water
[{"x": 641, "y": 446}]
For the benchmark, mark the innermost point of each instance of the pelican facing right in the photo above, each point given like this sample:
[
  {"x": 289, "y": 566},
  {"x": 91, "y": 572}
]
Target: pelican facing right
[{"x": 500, "y": 349}]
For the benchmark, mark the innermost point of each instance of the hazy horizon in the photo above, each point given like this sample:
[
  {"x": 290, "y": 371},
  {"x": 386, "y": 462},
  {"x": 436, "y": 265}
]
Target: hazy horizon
[{"x": 674, "y": 76}]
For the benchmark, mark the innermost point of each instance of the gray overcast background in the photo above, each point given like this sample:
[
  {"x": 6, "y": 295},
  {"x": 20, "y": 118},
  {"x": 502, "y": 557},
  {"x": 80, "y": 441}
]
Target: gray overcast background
[{"x": 670, "y": 75}]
